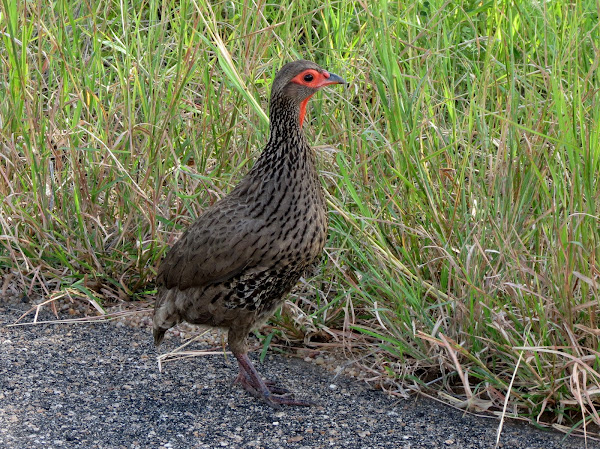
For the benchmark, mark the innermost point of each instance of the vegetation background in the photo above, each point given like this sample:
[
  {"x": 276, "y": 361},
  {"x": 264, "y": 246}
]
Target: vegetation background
[{"x": 460, "y": 167}]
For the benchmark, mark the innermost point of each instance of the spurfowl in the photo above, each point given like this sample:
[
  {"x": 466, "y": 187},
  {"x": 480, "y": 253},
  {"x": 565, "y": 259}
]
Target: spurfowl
[{"x": 233, "y": 267}]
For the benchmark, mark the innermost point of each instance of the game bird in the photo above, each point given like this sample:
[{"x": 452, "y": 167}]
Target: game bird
[{"x": 235, "y": 264}]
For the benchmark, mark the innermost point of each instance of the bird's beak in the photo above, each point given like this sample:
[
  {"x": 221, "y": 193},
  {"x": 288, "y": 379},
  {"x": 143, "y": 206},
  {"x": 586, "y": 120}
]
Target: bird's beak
[{"x": 332, "y": 78}]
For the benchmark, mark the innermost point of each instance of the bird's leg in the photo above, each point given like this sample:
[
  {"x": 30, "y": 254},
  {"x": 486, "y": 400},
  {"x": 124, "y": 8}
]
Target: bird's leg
[
  {"x": 244, "y": 379},
  {"x": 249, "y": 378}
]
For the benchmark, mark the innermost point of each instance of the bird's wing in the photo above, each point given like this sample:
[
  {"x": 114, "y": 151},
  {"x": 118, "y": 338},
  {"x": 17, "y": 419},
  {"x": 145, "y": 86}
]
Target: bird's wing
[{"x": 219, "y": 245}]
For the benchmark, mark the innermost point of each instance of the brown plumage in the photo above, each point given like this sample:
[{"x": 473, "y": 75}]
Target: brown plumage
[{"x": 233, "y": 267}]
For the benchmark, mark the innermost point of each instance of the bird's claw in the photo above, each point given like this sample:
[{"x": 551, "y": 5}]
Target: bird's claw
[{"x": 267, "y": 390}]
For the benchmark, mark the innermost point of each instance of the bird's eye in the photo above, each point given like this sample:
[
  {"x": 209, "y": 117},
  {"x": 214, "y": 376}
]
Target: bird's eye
[{"x": 308, "y": 77}]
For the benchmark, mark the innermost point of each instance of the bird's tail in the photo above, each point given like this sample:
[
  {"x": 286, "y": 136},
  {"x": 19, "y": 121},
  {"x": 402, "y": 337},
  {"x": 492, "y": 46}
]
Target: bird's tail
[
  {"x": 165, "y": 316},
  {"x": 159, "y": 335}
]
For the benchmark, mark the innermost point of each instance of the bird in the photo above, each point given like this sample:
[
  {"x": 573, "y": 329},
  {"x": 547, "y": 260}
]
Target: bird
[{"x": 233, "y": 267}]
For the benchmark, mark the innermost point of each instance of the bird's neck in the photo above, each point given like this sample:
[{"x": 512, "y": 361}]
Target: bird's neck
[
  {"x": 286, "y": 120},
  {"x": 287, "y": 143},
  {"x": 287, "y": 164}
]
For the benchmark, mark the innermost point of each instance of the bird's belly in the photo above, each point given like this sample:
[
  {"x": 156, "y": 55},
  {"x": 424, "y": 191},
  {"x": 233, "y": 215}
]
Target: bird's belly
[{"x": 260, "y": 290}]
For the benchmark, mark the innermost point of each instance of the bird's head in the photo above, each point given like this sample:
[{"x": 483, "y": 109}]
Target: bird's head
[{"x": 297, "y": 81}]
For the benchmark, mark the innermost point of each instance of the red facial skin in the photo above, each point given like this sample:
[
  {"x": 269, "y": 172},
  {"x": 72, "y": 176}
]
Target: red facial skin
[{"x": 319, "y": 80}]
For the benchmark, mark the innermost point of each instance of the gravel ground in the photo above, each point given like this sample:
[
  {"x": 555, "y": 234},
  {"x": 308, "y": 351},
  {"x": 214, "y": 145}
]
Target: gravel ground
[{"x": 97, "y": 385}]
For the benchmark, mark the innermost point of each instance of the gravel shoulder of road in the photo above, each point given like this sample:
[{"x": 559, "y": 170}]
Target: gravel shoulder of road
[{"x": 97, "y": 385}]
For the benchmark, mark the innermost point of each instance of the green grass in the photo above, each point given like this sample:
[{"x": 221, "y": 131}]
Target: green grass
[{"x": 462, "y": 174}]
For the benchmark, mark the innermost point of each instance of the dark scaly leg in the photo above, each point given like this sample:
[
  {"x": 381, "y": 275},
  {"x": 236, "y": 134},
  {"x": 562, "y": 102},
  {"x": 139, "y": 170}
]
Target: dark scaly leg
[
  {"x": 243, "y": 378},
  {"x": 249, "y": 378}
]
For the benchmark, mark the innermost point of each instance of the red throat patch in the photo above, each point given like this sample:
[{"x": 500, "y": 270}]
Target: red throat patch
[{"x": 303, "y": 109}]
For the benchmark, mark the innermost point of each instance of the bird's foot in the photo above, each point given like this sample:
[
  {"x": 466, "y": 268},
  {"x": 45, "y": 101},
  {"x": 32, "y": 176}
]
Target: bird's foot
[
  {"x": 267, "y": 390},
  {"x": 244, "y": 380}
]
